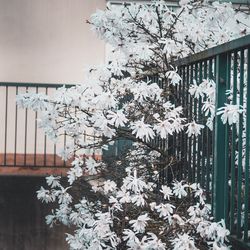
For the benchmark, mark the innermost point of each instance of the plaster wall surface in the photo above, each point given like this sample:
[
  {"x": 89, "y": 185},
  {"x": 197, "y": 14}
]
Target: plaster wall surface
[{"x": 48, "y": 41}]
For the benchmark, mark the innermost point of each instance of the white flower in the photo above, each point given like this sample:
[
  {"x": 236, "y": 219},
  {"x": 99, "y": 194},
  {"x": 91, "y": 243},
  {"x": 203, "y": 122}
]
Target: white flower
[
  {"x": 152, "y": 205},
  {"x": 140, "y": 223},
  {"x": 66, "y": 153},
  {"x": 142, "y": 131},
  {"x": 194, "y": 128},
  {"x": 217, "y": 231},
  {"x": 165, "y": 210},
  {"x": 105, "y": 100},
  {"x": 196, "y": 90},
  {"x": 123, "y": 196},
  {"x": 135, "y": 184},
  {"x": 139, "y": 200},
  {"x": 155, "y": 243},
  {"x": 209, "y": 108},
  {"x": 91, "y": 166},
  {"x": 63, "y": 196},
  {"x": 183, "y": 242},
  {"x": 129, "y": 235},
  {"x": 167, "y": 192},
  {"x": 117, "y": 119},
  {"x": 50, "y": 219},
  {"x": 45, "y": 195},
  {"x": 53, "y": 181},
  {"x": 109, "y": 186},
  {"x": 210, "y": 123},
  {"x": 179, "y": 189},
  {"x": 184, "y": 2},
  {"x": 174, "y": 77},
  {"x": 178, "y": 219},
  {"x": 169, "y": 46},
  {"x": 74, "y": 173},
  {"x": 217, "y": 246},
  {"x": 230, "y": 113},
  {"x": 164, "y": 128}
]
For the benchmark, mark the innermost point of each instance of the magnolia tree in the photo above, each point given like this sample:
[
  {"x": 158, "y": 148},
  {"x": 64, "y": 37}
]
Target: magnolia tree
[{"x": 128, "y": 208}]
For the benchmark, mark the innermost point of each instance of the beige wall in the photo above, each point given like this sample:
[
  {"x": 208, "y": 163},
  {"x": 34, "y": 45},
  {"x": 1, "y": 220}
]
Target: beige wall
[{"x": 47, "y": 40}]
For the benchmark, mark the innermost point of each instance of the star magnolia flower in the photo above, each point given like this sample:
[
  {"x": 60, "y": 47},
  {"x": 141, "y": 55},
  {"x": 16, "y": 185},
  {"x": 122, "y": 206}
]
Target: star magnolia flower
[
  {"x": 230, "y": 113},
  {"x": 178, "y": 219},
  {"x": 209, "y": 108},
  {"x": 140, "y": 224},
  {"x": 174, "y": 77},
  {"x": 45, "y": 195},
  {"x": 74, "y": 173},
  {"x": 142, "y": 131},
  {"x": 139, "y": 200},
  {"x": 167, "y": 192},
  {"x": 196, "y": 90},
  {"x": 129, "y": 235},
  {"x": 164, "y": 128},
  {"x": 155, "y": 243},
  {"x": 124, "y": 196},
  {"x": 165, "y": 210},
  {"x": 91, "y": 165},
  {"x": 183, "y": 242},
  {"x": 117, "y": 119},
  {"x": 194, "y": 128},
  {"x": 179, "y": 189},
  {"x": 132, "y": 182},
  {"x": 217, "y": 247},
  {"x": 53, "y": 181},
  {"x": 109, "y": 186}
]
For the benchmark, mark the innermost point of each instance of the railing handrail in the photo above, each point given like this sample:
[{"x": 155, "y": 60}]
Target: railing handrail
[
  {"x": 33, "y": 85},
  {"x": 235, "y": 44}
]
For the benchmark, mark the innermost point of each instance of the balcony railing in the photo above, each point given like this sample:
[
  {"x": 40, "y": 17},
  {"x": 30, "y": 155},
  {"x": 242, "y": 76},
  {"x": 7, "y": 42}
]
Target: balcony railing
[
  {"x": 22, "y": 142},
  {"x": 219, "y": 159}
]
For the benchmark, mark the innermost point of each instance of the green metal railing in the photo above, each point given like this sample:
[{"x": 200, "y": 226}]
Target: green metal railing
[
  {"x": 219, "y": 159},
  {"x": 23, "y": 143}
]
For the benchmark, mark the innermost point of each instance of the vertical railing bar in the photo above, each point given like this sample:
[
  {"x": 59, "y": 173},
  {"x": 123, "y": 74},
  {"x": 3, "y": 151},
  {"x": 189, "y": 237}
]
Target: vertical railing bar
[
  {"x": 25, "y": 132},
  {"x": 209, "y": 139},
  {"x": 74, "y": 136},
  {"x": 35, "y": 142},
  {"x": 195, "y": 118},
  {"x": 189, "y": 114},
  {"x": 6, "y": 125},
  {"x": 54, "y": 154},
  {"x": 55, "y": 148},
  {"x": 15, "y": 143},
  {"x": 226, "y": 167},
  {"x": 45, "y": 140},
  {"x": 181, "y": 142},
  {"x": 233, "y": 147},
  {"x": 192, "y": 117},
  {"x": 239, "y": 176},
  {"x": 204, "y": 142},
  {"x": 177, "y": 137},
  {"x": 200, "y": 138},
  {"x": 184, "y": 137},
  {"x": 219, "y": 151},
  {"x": 246, "y": 198},
  {"x": 214, "y": 73},
  {"x": 173, "y": 145},
  {"x": 64, "y": 145}
]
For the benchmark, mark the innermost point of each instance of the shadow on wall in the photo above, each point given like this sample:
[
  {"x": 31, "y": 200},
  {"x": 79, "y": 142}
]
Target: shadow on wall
[{"x": 22, "y": 222}]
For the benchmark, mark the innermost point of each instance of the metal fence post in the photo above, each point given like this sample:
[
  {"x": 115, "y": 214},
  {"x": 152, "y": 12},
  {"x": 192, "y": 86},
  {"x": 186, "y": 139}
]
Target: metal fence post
[{"x": 219, "y": 179}]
